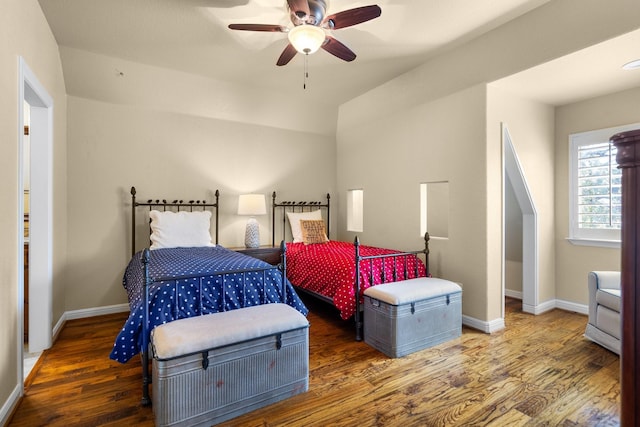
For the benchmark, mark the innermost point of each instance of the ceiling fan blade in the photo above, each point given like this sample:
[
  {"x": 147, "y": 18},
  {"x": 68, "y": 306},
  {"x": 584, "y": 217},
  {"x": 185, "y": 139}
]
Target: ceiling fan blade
[
  {"x": 259, "y": 27},
  {"x": 351, "y": 17},
  {"x": 299, "y": 7},
  {"x": 287, "y": 54},
  {"x": 337, "y": 48}
]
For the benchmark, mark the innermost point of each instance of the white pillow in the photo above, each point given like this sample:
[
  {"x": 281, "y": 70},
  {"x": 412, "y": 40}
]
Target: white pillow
[
  {"x": 294, "y": 222},
  {"x": 180, "y": 229}
]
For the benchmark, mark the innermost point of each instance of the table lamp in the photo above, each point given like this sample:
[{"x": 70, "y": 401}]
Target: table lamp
[{"x": 252, "y": 204}]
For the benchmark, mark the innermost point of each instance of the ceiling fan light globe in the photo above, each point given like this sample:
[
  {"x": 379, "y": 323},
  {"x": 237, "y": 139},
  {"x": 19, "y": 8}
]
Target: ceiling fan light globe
[
  {"x": 633, "y": 65},
  {"x": 306, "y": 39}
]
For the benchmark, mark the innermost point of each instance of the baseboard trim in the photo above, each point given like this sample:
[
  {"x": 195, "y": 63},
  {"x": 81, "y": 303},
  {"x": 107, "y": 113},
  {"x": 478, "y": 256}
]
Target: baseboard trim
[
  {"x": 538, "y": 309},
  {"x": 498, "y": 324},
  {"x": 552, "y": 304},
  {"x": 87, "y": 312},
  {"x": 513, "y": 294},
  {"x": 96, "y": 311},
  {"x": 572, "y": 306},
  {"x": 10, "y": 405},
  {"x": 483, "y": 326}
]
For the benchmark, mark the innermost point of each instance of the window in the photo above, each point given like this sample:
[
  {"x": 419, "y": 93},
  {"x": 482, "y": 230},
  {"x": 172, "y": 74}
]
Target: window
[
  {"x": 595, "y": 188},
  {"x": 355, "y": 199},
  {"x": 599, "y": 198}
]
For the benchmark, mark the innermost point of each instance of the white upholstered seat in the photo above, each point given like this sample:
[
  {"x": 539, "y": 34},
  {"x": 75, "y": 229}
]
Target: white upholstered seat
[{"x": 604, "y": 325}]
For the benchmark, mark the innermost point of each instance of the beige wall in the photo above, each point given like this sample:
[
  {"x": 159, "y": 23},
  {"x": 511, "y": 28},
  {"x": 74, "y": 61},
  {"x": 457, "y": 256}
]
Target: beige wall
[
  {"x": 169, "y": 133},
  {"x": 531, "y": 126},
  {"x": 175, "y": 135},
  {"x": 513, "y": 278},
  {"x": 24, "y": 32},
  {"x": 118, "y": 81},
  {"x": 574, "y": 262},
  {"x": 508, "y": 49},
  {"x": 553, "y": 30},
  {"x": 390, "y": 157},
  {"x": 169, "y": 155},
  {"x": 513, "y": 230}
]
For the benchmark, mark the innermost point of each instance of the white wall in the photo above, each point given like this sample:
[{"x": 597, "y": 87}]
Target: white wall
[{"x": 25, "y": 32}]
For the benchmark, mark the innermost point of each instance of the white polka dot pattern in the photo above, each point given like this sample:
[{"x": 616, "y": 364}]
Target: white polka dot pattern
[
  {"x": 190, "y": 282},
  {"x": 329, "y": 269}
]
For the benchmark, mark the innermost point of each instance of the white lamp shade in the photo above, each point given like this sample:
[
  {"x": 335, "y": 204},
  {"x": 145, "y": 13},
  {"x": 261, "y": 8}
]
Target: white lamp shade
[
  {"x": 307, "y": 39},
  {"x": 252, "y": 204}
]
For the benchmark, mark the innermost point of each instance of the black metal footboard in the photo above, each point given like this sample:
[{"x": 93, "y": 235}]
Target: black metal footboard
[
  {"x": 395, "y": 276},
  {"x": 148, "y": 281}
]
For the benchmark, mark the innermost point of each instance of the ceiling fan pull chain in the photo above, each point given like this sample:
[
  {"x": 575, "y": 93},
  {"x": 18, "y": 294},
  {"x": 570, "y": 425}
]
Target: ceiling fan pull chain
[{"x": 306, "y": 71}]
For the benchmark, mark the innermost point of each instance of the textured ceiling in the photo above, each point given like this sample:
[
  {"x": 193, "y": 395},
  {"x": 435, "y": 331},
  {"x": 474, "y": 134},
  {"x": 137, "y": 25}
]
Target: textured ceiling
[
  {"x": 584, "y": 74},
  {"x": 192, "y": 36}
]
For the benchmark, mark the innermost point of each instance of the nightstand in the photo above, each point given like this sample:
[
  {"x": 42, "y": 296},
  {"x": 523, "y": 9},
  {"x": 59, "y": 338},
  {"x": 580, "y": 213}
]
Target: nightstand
[{"x": 269, "y": 254}]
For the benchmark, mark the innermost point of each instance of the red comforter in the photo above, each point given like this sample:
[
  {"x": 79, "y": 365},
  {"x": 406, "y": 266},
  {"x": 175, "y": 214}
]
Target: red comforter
[{"x": 329, "y": 269}]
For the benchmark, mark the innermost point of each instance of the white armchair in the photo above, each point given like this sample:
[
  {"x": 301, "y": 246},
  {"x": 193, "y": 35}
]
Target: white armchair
[{"x": 604, "y": 325}]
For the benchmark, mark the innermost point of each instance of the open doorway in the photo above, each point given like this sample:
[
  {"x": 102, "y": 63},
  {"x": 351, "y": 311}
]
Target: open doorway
[
  {"x": 35, "y": 176},
  {"x": 515, "y": 186},
  {"x": 29, "y": 358}
]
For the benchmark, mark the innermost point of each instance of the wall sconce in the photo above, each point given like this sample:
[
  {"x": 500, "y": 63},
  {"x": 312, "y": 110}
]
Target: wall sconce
[{"x": 252, "y": 205}]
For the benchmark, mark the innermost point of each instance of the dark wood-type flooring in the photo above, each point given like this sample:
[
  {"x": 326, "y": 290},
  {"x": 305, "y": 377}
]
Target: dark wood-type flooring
[{"x": 539, "y": 371}]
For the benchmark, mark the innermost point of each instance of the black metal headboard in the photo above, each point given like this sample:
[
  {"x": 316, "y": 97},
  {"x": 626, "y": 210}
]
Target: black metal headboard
[
  {"x": 164, "y": 204},
  {"x": 295, "y": 207}
]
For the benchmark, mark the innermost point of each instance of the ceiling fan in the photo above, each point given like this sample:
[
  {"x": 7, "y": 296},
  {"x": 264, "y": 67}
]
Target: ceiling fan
[{"x": 310, "y": 24}]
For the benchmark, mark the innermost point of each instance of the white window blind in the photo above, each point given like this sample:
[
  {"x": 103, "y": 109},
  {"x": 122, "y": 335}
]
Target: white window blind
[
  {"x": 595, "y": 202},
  {"x": 599, "y": 187}
]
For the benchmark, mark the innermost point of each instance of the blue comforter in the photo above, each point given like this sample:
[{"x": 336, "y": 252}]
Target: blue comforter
[{"x": 181, "y": 275}]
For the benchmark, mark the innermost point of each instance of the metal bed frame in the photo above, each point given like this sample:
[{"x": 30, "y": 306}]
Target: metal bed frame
[
  {"x": 394, "y": 257},
  {"x": 296, "y": 207},
  {"x": 164, "y": 205},
  {"x": 303, "y": 206},
  {"x": 148, "y": 281}
]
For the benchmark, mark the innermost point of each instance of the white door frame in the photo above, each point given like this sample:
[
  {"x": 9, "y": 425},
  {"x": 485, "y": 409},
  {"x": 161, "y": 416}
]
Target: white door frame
[
  {"x": 40, "y": 216},
  {"x": 530, "y": 276}
]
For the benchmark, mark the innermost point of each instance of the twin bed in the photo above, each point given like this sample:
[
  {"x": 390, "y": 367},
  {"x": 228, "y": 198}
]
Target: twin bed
[
  {"x": 335, "y": 271},
  {"x": 187, "y": 273}
]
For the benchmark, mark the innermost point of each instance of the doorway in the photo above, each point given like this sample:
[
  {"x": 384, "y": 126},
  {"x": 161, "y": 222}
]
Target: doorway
[
  {"x": 513, "y": 175},
  {"x": 35, "y": 161}
]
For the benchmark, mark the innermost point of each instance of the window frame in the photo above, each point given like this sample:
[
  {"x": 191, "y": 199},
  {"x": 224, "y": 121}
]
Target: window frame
[{"x": 607, "y": 237}]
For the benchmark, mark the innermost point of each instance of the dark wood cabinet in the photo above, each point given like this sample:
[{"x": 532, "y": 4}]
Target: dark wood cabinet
[
  {"x": 268, "y": 254},
  {"x": 628, "y": 158}
]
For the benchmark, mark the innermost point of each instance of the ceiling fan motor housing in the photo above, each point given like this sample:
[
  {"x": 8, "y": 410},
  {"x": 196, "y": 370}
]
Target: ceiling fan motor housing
[{"x": 317, "y": 11}]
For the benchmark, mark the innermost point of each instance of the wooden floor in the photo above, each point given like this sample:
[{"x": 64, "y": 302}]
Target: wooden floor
[{"x": 539, "y": 371}]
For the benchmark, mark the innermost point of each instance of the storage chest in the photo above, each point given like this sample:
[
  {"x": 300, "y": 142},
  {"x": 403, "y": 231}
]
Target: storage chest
[
  {"x": 403, "y": 317},
  {"x": 212, "y": 368}
]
